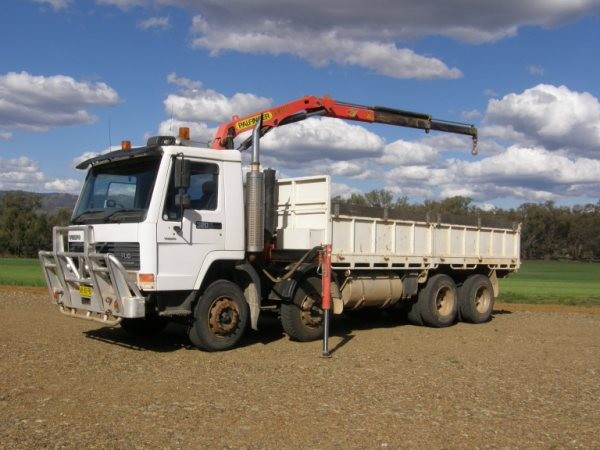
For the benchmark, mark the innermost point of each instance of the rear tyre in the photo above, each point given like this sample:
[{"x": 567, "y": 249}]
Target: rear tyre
[
  {"x": 476, "y": 299},
  {"x": 220, "y": 317},
  {"x": 302, "y": 319},
  {"x": 147, "y": 327},
  {"x": 413, "y": 314},
  {"x": 438, "y": 301}
]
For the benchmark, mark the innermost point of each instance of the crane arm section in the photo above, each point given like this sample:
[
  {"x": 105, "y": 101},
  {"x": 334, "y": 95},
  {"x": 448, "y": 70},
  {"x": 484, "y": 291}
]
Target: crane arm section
[{"x": 309, "y": 106}]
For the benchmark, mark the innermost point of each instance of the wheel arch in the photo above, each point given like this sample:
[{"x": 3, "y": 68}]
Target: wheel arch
[{"x": 242, "y": 274}]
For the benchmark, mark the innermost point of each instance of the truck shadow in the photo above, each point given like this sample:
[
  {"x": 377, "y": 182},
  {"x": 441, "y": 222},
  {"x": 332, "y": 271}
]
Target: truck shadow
[{"x": 175, "y": 338}]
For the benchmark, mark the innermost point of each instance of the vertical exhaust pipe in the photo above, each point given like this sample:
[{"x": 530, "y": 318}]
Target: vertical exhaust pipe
[{"x": 255, "y": 204}]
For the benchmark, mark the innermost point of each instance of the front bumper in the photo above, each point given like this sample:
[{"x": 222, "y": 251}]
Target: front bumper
[{"x": 88, "y": 284}]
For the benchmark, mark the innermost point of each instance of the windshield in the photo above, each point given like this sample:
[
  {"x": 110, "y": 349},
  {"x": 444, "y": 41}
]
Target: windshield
[{"x": 117, "y": 192}]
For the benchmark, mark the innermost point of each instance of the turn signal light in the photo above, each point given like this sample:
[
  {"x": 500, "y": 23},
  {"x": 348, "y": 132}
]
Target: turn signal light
[{"x": 146, "y": 280}]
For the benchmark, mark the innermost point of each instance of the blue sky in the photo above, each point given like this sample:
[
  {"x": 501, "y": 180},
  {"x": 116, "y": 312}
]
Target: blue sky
[{"x": 78, "y": 76}]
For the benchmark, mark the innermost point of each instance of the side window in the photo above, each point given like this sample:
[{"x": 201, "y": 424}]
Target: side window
[{"x": 203, "y": 190}]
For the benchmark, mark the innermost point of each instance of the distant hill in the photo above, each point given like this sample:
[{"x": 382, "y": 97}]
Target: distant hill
[{"x": 52, "y": 202}]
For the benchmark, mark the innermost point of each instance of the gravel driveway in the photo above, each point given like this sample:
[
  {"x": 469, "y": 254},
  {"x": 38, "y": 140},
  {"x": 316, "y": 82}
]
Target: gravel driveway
[{"x": 528, "y": 379}]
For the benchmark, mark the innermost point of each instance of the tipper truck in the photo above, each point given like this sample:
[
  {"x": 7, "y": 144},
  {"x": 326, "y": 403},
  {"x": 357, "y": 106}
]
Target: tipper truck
[{"x": 173, "y": 231}]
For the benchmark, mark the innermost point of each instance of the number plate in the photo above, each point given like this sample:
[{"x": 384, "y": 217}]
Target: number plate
[{"x": 85, "y": 291}]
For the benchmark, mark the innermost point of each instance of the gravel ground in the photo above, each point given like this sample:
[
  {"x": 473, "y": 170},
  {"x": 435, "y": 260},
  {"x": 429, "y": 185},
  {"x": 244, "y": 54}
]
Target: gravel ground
[{"x": 528, "y": 379}]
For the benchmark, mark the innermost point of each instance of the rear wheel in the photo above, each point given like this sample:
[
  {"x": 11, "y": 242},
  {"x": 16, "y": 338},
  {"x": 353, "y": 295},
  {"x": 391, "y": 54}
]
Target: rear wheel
[
  {"x": 302, "y": 319},
  {"x": 220, "y": 317},
  {"x": 438, "y": 301},
  {"x": 476, "y": 299},
  {"x": 412, "y": 313}
]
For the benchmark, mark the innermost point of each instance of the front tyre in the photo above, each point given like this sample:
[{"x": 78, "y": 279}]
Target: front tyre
[
  {"x": 220, "y": 317},
  {"x": 302, "y": 319}
]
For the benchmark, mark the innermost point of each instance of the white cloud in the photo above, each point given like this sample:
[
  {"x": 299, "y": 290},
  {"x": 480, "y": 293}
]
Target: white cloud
[
  {"x": 318, "y": 138},
  {"x": 343, "y": 190},
  {"x": 358, "y": 33},
  {"x": 321, "y": 48},
  {"x": 515, "y": 164},
  {"x": 19, "y": 173},
  {"x": 156, "y": 23},
  {"x": 183, "y": 82},
  {"x": 38, "y": 103},
  {"x": 526, "y": 173},
  {"x": 58, "y": 185},
  {"x": 556, "y": 118},
  {"x": 408, "y": 153},
  {"x": 199, "y": 131},
  {"x": 6, "y": 136},
  {"x": 211, "y": 106},
  {"x": 367, "y": 34}
]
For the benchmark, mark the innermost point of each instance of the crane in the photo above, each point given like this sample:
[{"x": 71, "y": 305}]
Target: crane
[{"x": 309, "y": 106}]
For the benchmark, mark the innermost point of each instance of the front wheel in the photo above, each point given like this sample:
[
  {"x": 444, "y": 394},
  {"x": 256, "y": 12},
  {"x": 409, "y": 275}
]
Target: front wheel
[
  {"x": 302, "y": 319},
  {"x": 220, "y": 317}
]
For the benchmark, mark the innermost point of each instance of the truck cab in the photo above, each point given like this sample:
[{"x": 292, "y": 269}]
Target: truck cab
[{"x": 140, "y": 243}]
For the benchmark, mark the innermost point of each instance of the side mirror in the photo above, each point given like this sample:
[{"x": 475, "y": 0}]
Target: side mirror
[
  {"x": 182, "y": 173},
  {"x": 182, "y": 200}
]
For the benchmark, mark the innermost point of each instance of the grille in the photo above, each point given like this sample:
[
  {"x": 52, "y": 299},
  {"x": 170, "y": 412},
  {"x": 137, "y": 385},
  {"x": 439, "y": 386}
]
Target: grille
[{"x": 128, "y": 253}]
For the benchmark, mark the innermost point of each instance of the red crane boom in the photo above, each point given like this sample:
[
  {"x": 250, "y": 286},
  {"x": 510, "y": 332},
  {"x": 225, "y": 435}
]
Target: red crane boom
[{"x": 309, "y": 106}]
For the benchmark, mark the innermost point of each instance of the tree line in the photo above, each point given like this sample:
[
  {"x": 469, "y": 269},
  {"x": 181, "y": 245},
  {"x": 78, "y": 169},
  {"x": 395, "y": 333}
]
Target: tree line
[{"x": 548, "y": 231}]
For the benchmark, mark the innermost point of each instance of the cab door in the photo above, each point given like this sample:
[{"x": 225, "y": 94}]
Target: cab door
[{"x": 184, "y": 242}]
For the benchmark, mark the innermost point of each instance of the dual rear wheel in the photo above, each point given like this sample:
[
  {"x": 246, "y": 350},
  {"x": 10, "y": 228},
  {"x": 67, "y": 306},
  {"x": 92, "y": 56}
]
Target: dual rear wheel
[{"x": 441, "y": 303}]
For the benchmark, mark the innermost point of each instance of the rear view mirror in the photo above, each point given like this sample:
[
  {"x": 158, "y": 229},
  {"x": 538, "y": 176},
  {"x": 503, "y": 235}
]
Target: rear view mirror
[{"x": 182, "y": 173}]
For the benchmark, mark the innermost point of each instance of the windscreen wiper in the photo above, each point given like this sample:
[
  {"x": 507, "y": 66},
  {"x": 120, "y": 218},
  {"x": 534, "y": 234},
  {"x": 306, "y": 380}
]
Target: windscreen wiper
[{"x": 115, "y": 216}]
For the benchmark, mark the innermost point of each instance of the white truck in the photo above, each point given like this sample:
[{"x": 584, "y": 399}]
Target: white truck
[{"x": 170, "y": 232}]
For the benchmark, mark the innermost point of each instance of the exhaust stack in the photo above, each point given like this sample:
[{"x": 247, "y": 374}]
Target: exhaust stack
[{"x": 255, "y": 204}]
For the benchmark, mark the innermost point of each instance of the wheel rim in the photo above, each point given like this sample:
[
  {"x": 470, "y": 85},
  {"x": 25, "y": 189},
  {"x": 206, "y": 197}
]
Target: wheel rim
[
  {"x": 311, "y": 315},
  {"x": 223, "y": 316},
  {"x": 483, "y": 299},
  {"x": 444, "y": 301}
]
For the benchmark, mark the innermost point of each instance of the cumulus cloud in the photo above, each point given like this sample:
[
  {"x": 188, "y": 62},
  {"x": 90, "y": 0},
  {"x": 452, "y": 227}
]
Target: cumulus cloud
[
  {"x": 516, "y": 161},
  {"x": 321, "y": 48},
  {"x": 19, "y": 174},
  {"x": 354, "y": 32},
  {"x": 318, "y": 138},
  {"x": 182, "y": 82},
  {"x": 553, "y": 117},
  {"x": 196, "y": 105},
  {"x": 63, "y": 185},
  {"x": 524, "y": 173},
  {"x": 199, "y": 131},
  {"x": 38, "y": 103},
  {"x": 343, "y": 32},
  {"x": 407, "y": 153},
  {"x": 343, "y": 190}
]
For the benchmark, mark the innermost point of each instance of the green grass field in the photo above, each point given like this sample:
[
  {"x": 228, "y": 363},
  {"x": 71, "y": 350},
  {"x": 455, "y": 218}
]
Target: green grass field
[
  {"x": 549, "y": 282},
  {"x": 556, "y": 282},
  {"x": 21, "y": 272}
]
